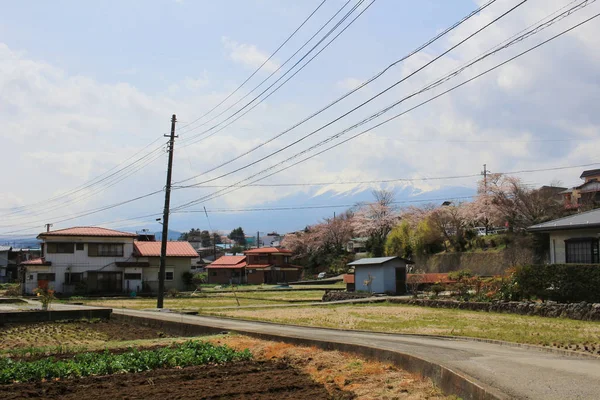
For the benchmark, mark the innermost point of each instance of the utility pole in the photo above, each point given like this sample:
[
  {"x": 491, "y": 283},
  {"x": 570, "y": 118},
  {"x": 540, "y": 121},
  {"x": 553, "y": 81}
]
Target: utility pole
[
  {"x": 165, "y": 230},
  {"x": 485, "y": 173},
  {"x": 257, "y": 239},
  {"x": 48, "y": 227}
]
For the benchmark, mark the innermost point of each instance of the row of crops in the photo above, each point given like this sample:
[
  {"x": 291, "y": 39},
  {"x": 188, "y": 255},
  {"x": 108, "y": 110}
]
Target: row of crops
[{"x": 106, "y": 363}]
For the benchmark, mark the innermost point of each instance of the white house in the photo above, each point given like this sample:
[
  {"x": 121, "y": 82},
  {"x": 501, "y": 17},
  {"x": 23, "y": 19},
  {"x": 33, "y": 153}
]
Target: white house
[
  {"x": 573, "y": 239},
  {"x": 99, "y": 260},
  {"x": 380, "y": 274},
  {"x": 3, "y": 261}
]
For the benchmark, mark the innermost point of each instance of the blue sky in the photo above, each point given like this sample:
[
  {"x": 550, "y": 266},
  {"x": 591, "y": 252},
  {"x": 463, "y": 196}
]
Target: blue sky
[{"x": 84, "y": 85}]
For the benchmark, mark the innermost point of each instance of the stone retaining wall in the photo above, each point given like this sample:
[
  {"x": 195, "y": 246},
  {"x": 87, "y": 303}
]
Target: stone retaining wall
[
  {"x": 336, "y": 296},
  {"x": 579, "y": 311}
]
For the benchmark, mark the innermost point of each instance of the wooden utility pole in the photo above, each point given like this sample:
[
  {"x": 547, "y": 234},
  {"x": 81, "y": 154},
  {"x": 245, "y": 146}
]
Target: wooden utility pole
[
  {"x": 484, "y": 173},
  {"x": 165, "y": 230},
  {"x": 257, "y": 239},
  {"x": 48, "y": 227}
]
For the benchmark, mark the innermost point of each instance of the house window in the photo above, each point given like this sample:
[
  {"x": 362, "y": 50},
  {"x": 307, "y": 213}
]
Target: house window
[
  {"x": 46, "y": 277},
  {"x": 213, "y": 273},
  {"x": 79, "y": 246},
  {"x": 105, "y": 249},
  {"x": 60, "y": 248},
  {"x": 73, "y": 277},
  {"x": 169, "y": 275},
  {"x": 133, "y": 277},
  {"x": 581, "y": 251}
]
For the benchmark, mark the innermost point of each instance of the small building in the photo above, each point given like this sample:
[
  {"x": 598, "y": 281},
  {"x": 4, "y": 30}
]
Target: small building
[
  {"x": 4, "y": 250},
  {"x": 357, "y": 245},
  {"x": 380, "y": 274},
  {"x": 349, "y": 281},
  {"x": 270, "y": 265},
  {"x": 227, "y": 270},
  {"x": 573, "y": 239},
  {"x": 586, "y": 194},
  {"x": 96, "y": 260}
]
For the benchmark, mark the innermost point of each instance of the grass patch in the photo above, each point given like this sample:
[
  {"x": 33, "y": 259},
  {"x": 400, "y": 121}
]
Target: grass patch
[{"x": 385, "y": 317}]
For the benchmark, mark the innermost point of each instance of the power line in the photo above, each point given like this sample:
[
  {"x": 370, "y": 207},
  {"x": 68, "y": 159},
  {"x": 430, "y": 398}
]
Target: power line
[
  {"x": 219, "y": 193},
  {"x": 259, "y": 68},
  {"x": 365, "y": 102},
  {"x": 298, "y": 207},
  {"x": 367, "y": 82},
  {"x": 192, "y": 139}
]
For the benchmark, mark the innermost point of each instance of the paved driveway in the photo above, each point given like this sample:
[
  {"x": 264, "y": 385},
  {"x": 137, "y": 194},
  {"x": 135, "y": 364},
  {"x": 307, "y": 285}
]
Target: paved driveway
[{"x": 519, "y": 372}]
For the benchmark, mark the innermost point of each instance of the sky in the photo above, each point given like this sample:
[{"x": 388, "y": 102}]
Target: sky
[{"x": 87, "y": 90}]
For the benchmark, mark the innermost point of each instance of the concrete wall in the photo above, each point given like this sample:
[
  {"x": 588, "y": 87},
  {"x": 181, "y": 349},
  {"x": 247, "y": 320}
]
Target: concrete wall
[
  {"x": 557, "y": 242},
  {"x": 53, "y": 315}
]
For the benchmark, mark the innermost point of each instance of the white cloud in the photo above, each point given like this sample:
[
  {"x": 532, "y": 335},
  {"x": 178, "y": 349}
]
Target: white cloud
[
  {"x": 349, "y": 83},
  {"x": 248, "y": 55}
]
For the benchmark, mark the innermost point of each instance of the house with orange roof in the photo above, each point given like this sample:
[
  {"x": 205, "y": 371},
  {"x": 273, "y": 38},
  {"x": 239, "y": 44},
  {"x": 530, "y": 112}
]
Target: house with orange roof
[
  {"x": 270, "y": 265},
  {"x": 227, "y": 270},
  {"x": 94, "y": 260}
]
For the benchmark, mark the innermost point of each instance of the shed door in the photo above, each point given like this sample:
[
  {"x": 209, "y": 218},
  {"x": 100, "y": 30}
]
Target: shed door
[{"x": 401, "y": 280}]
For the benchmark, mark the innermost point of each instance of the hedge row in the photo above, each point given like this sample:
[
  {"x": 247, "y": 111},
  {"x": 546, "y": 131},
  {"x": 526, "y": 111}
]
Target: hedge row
[{"x": 564, "y": 283}]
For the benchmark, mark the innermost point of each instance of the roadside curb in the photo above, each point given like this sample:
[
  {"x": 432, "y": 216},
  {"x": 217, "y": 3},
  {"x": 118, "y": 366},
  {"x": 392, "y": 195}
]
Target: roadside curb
[
  {"x": 450, "y": 381},
  {"x": 455, "y": 338}
]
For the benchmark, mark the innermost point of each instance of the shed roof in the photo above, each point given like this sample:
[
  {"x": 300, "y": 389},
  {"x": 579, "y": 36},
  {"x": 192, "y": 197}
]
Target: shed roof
[
  {"x": 5, "y": 248},
  {"x": 36, "y": 261},
  {"x": 87, "y": 231},
  {"x": 174, "y": 249},
  {"x": 374, "y": 261},
  {"x": 589, "y": 219}
]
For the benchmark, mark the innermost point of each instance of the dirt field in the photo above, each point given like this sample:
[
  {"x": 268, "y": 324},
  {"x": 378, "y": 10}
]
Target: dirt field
[
  {"x": 247, "y": 380},
  {"x": 278, "y": 371},
  {"x": 65, "y": 334}
]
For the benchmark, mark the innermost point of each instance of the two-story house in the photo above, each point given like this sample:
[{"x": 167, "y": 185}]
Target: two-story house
[
  {"x": 100, "y": 260},
  {"x": 270, "y": 265},
  {"x": 586, "y": 194}
]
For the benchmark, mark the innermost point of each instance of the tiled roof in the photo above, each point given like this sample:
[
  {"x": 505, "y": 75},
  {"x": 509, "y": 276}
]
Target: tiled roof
[
  {"x": 174, "y": 249},
  {"x": 87, "y": 231},
  {"x": 589, "y": 219},
  {"x": 35, "y": 261},
  {"x": 268, "y": 250},
  {"x": 229, "y": 262},
  {"x": 590, "y": 172}
]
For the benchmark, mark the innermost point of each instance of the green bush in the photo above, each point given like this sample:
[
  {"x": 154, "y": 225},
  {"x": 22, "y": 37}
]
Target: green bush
[
  {"x": 134, "y": 360},
  {"x": 564, "y": 283}
]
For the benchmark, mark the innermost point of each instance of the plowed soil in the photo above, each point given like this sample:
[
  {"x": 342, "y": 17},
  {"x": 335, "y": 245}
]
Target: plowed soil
[{"x": 245, "y": 380}]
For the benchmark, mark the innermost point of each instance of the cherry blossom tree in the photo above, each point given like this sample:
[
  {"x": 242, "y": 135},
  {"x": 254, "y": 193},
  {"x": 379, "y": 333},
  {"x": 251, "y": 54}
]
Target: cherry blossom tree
[{"x": 376, "y": 220}]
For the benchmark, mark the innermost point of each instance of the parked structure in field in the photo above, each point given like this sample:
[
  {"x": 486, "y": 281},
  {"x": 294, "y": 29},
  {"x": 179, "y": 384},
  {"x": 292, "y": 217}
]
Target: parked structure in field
[
  {"x": 573, "y": 239},
  {"x": 357, "y": 245},
  {"x": 3, "y": 262},
  {"x": 270, "y": 265},
  {"x": 227, "y": 270},
  {"x": 99, "y": 260},
  {"x": 380, "y": 274},
  {"x": 586, "y": 194}
]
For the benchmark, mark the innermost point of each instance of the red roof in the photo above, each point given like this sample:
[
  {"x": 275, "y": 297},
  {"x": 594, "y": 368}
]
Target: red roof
[
  {"x": 349, "y": 278},
  {"x": 87, "y": 231},
  {"x": 35, "y": 261},
  {"x": 174, "y": 249},
  {"x": 268, "y": 250},
  {"x": 233, "y": 262}
]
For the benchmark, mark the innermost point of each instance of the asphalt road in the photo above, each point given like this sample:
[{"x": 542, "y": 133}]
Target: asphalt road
[{"x": 517, "y": 372}]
